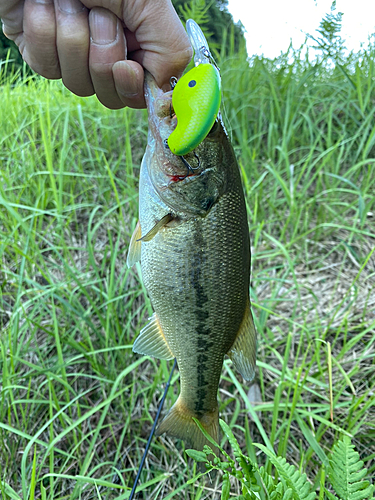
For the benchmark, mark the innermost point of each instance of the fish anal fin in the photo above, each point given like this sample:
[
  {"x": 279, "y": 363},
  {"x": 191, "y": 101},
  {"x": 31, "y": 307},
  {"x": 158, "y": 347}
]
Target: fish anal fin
[
  {"x": 134, "y": 252},
  {"x": 179, "y": 423},
  {"x": 155, "y": 229},
  {"x": 151, "y": 341},
  {"x": 243, "y": 350}
]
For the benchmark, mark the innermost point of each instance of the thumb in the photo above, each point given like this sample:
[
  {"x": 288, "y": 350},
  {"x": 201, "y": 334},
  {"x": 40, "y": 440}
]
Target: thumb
[{"x": 164, "y": 47}]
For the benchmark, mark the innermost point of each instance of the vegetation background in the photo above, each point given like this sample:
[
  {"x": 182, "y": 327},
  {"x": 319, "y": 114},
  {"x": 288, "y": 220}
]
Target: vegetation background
[{"x": 76, "y": 405}]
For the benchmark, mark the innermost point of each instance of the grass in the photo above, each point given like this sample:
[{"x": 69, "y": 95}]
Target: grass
[{"x": 76, "y": 405}]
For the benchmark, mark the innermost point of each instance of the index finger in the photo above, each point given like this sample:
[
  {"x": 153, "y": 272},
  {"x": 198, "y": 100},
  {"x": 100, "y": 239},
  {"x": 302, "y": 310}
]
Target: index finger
[
  {"x": 39, "y": 27},
  {"x": 11, "y": 14}
]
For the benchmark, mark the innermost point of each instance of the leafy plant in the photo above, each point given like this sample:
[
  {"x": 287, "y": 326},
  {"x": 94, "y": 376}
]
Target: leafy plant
[
  {"x": 214, "y": 19},
  {"x": 329, "y": 40},
  {"x": 346, "y": 472}
]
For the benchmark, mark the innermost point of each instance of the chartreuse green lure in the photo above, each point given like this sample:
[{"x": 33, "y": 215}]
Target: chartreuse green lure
[{"x": 196, "y": 97}]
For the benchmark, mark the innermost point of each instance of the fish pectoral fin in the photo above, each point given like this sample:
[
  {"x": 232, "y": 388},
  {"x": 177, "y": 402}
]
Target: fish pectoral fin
[
  {"x": 151, "y": 341},
  {"x": 154, "y": 231},
  {"x": 134, "y": 252},
  {"x": 243, "y": 350}
]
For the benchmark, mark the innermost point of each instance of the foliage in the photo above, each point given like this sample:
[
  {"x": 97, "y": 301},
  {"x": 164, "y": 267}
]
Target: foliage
[
  {"x": 330, "y": 41},
  {"x": 76, "y": 405},
  {"x": 214, "y": 18},
  {"x": 9, "y": 52},
  {"x": 346, "y": 473}
]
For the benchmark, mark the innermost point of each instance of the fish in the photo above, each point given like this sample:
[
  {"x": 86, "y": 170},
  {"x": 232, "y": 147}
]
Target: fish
[{"x": 192, "y": 240}]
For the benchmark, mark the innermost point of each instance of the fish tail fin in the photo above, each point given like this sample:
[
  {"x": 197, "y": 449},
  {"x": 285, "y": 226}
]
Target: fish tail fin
[{"x": 179, "y": 423}]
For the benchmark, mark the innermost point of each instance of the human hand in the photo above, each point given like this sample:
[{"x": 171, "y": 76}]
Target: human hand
[{"x": 99, "y": 46}]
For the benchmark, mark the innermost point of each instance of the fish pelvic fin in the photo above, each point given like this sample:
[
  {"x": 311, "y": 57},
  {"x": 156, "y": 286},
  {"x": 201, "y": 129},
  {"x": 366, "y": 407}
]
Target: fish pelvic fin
[
  {"x": 134, "y": 253},
  {"x": 243, "y": 350},
  {"x": 179, "y": 423},
  {"x": 152, "y": 342}
]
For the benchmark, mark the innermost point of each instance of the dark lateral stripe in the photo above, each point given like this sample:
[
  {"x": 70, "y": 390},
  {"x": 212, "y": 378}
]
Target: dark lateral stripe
[
  {"x": 204, "y": 345},
  {"x": 201, "y": 315}
]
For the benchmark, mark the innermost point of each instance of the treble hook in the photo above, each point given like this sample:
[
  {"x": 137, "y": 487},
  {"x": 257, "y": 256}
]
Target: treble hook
[
  {"x": 190, "y": 169},
  {"x": 172, "y": 81}
]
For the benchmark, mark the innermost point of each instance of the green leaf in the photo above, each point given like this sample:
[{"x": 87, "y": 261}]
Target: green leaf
[
  {"x": 232, "y": 440},
  {"x": 225, "y": 487},
  {"x": 309, "y": 436},
  {"x": 198, "y": 456},
  {"x": 330, "y": 495},
  {"x": 33, "y": 472},
  {"x": 346, "y": 472},
  {"x": 291, "y": 476},
  {"x": 5, "y": 488},
  {"x": 206, "y": 435}
]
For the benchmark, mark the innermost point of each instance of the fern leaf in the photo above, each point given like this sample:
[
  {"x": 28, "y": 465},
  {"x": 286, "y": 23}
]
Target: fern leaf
[
  {"x": 330, "y": 495},
  {"x": 274, "y": 490},
  {"x": 291, "y": 477},
  {"x": 232, "y": 440},
  {"x": 225, "y": 487},
  {"x": 346, "y": 472}
]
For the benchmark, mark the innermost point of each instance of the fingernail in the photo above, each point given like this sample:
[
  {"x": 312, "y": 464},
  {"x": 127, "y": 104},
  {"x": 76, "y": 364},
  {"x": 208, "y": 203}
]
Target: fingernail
[
  {"x": 131, "y": 84},
  {"x": 103, "y": 26},
  {"x": 70, "y": 6}
]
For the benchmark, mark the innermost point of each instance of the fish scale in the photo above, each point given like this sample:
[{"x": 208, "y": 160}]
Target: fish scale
[{"x": 196, "y": 270}]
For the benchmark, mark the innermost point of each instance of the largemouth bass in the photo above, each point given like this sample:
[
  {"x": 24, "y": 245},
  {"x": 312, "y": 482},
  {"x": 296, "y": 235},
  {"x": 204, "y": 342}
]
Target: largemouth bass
[{"x": 193, "y": 242}]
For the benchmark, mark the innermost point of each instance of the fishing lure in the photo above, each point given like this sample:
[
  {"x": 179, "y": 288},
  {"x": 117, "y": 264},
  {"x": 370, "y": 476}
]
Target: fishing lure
[{"x": 196, "y": 97}]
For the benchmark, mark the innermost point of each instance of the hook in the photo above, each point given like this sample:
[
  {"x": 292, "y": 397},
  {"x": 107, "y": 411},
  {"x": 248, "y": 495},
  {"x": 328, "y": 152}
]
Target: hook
[
  {"x": 190, "y": 169},
  {"x": 199, "y": 162},
  {"x": 173, "y": 81}
]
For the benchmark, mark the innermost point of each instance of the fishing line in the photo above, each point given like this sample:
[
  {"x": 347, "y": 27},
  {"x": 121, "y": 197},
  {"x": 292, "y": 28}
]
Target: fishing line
[{"x": 152, "y": 432}]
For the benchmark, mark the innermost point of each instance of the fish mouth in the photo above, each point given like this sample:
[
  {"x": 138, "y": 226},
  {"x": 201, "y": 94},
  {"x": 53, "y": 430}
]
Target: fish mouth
[
  {"x": 159, "y": 107},
  {"x": 162, "y": 121}
]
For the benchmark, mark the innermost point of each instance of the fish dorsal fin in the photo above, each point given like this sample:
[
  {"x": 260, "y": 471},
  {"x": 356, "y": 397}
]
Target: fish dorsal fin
[
  {"x": 134, "y": 252},
  {"x": 151, "y": 341},
  {"x": 243, "y": 350},
  {"x": 153, "y": 232}
]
